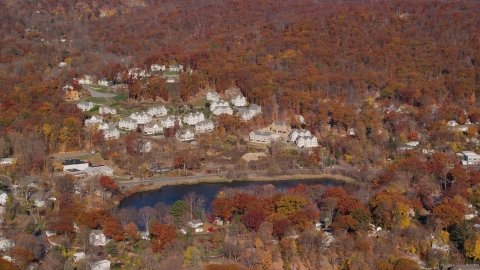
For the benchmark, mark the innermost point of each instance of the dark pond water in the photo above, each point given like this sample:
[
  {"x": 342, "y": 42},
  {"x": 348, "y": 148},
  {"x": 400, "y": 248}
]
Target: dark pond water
[{"x": 170, "y": 194}]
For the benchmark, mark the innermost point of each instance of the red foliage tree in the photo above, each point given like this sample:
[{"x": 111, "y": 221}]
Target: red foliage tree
[
  {"x": 162, "y": 235},
  {"x": 254, "y": 218},
  {"x": 113, "y": 228},
  {"x": 281, "y": 227},
  {"x": 108, "y": 183}
]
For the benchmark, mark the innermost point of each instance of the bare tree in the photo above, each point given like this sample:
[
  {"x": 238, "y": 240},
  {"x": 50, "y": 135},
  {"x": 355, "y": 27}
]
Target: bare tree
[
  {"x": 162, "y": 210},
  {"x": 145, "y": 215},
  {"x": 195, "y": 202},
  {"x": 127, "y": 215}
]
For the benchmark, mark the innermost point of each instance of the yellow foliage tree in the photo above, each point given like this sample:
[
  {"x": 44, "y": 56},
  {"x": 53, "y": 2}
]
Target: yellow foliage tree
[{"x": 472, "y": 248}]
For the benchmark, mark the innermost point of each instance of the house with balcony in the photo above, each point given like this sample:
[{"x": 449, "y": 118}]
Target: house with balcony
[
  {"x": 106, "y": 110},
  {"x": 176, "y": 68},
  {"x": 204, "y": 126},
  {"x": 185, "y": 135},
  {"x": 260, "y": 136},
  {"x": 306, "y": 141},
  {"x": 157, "y": 111},
  {"x": 295, "y": 133},
  {"x": 85, "y": 106},
  {"x": 193, "y": 118},
  {"x": 128, "y": 123},
  {"x": 111, "y": 132},
  {"x": 222, "y": 110},
  {"x": 169, "y": 121},
  {"x": 152, "y": 128},
  {"x": 218, "y": 103},
  {"x": 141, "y": 117},
  {"x": 95, "y": 119},
  {"x": 97, "y": 238},
  {"x": 245, "y": 114},
  {"x": 239, "y": 101},
  {"x": 281, "y": 127},
  {"x": 213, "y": 96}
]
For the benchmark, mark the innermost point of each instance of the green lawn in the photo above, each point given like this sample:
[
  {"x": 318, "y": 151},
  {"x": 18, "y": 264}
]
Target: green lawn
[
  {"x": 170, "y": 73},
  {"x": 98, "y": 88},
  {"x": 99, "y": 100},
  {"x": 200, "y": 102},
  {"x": 122, "y": 96}
]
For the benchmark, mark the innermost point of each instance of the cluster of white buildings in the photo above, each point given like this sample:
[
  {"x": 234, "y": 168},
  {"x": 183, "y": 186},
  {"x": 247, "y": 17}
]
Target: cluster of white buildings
[
  {"x": 301, "y": 138},
  {"x": 81, "y": 169}
]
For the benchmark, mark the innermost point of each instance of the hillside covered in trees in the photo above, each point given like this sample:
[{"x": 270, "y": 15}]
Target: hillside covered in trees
[{"x": 367, "y": 77}]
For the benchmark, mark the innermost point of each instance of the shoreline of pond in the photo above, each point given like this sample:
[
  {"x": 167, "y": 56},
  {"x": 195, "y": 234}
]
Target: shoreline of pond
[{"x": 257, "y": 178}]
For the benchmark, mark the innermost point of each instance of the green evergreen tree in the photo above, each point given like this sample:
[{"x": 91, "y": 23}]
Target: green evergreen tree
[
  {"x": 179, "y": 208},
  {"x": 111, "y": 248}
]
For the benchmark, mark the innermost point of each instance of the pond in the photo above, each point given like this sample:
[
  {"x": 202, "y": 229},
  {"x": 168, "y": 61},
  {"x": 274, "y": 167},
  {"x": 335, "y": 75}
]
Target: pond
[{"x": 170, "y": 194}]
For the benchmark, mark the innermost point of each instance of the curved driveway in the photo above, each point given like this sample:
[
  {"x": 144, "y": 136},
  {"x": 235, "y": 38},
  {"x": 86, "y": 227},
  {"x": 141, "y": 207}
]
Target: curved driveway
[{"x": 98, "y": 94}]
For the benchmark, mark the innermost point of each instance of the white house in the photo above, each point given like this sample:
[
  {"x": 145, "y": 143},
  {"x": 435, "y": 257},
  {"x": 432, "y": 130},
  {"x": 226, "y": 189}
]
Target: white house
[
  {"x": 107, "y": 110},
  {"x": 260, "y": 136},
  {"x": 413, "y": 143},
  {"x": 78, "y": 256},
  {"x": 141, "y": 117},
  {"x": 128, "y": 123},
  {"x": 297, "y": 133},
  {"x": 111, "y": 132},
  {"x": 245, "y": 114},
  {"x": 97, "y": 238},
  {"x": 222, "y": 110},
  {"x": 218, "y": 103},
  {"x": 85, "y": 106},
  {"x": 86, "y": 79},
  {"x": 185, "y": 135},
  {"x": 193, "y": 118},
  {"x": 6, "y": 244},
  {"x": 103, "y": 82},
  {"x": 100, "y": 265},
  {"x": 157, "y": 111},
  {"x": 143, "y": 145},
  {"x": 157, "y": 67},
  {"x": 169, "y": 121},
  {"x": 176, "y": 67},
  {"x": 6, "y": 161},
  {"x": 98, "y": 171},
  {"x": 74, "y": 164},
  {"x": 452, "y": 123},
  {"x": 213, "y": 96},
  {"x": 3, "y": 197},
  {"x": 204, "y": 126},
  {"x": 197, "y": 225},
  {"x": 239, "y": 101},
  {"x": 469, "y": 158},
  {"x": 137, "y": 73},
  {"x": 152, "y": 128},
  {"x": 306, "y": 141},
  {"x": 255, "y": 109},
  {"x": 95, "y": 119},
  {"x": 145, "y": 235}
]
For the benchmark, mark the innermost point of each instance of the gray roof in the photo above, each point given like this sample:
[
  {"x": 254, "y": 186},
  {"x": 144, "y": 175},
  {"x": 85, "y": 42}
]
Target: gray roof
[
  {"x": 262, "y": 133},
  {"x": 254, "y": 107},
  {"x": 204, "y": 122}
]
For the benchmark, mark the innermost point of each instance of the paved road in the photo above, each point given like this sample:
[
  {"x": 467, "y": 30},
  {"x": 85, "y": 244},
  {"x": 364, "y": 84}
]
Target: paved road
[
  {"x": 6, "y": 180},
  {"x": 98, "y": 94}
]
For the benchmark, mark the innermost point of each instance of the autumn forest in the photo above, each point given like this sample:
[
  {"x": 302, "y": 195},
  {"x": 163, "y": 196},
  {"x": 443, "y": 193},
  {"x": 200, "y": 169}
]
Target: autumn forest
[{"x": 389, "y": 89}]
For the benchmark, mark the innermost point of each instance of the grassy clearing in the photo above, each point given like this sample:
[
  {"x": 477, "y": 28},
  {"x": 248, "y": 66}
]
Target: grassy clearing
[
  {"x": 200, "y": 102},
  {"x": 122, "y": 96},
  {"x": 170, "y": 73},
  {"x": 99, "y": 100},
  {"x": 98, "y": 88}
]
